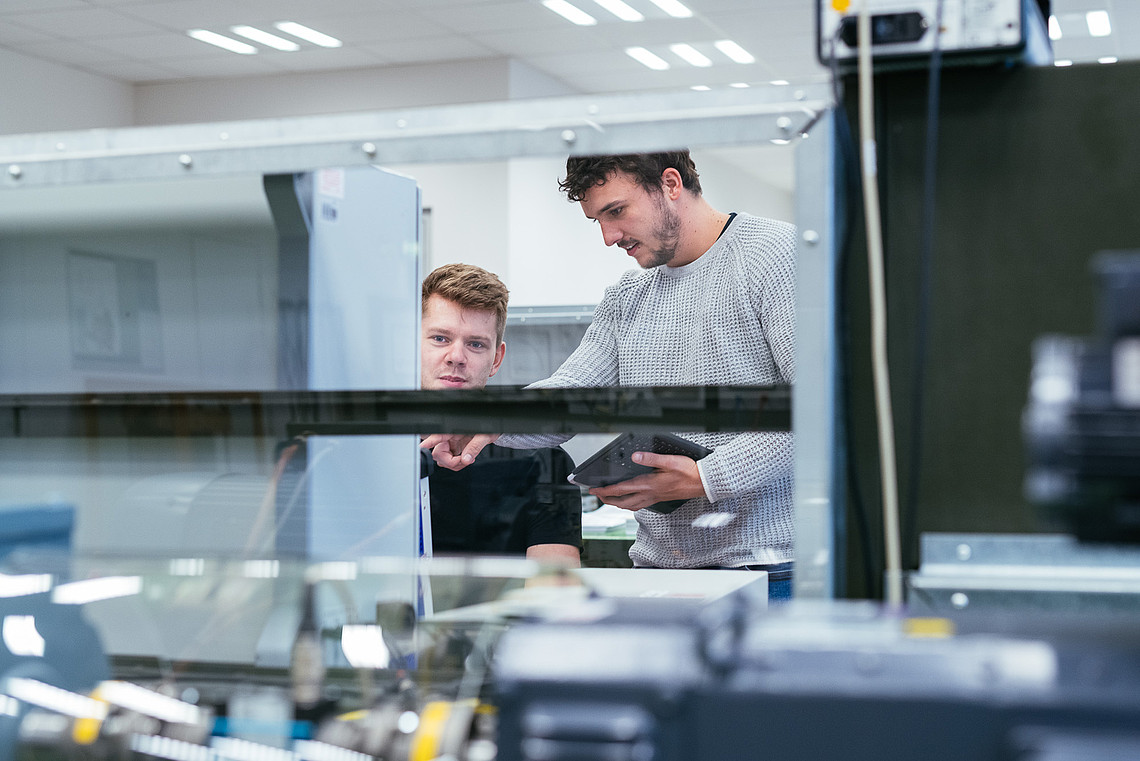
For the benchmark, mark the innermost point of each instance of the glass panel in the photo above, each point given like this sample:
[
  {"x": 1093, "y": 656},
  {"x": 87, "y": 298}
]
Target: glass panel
[{"x": 211, "y": 284}]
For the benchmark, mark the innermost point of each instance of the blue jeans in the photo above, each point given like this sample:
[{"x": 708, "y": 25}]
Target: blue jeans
[{"x": 779, "y": 578}]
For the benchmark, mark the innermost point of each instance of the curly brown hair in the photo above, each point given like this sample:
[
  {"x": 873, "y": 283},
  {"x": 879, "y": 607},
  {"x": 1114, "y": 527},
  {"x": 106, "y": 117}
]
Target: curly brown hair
[
  {"x": 585, "y": 172},
  {"x": 470, "y": 287}
]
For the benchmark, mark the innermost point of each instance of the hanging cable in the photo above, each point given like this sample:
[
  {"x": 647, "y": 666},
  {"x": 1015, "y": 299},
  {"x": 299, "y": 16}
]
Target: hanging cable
[
  {"x": 848, "y": 158},
  {"x": 880, "y": 368},
  {"x": 926, "y": 257}
]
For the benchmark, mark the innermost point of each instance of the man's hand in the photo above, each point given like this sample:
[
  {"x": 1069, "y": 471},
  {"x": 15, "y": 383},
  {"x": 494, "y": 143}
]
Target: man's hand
[
  {"x": 674, "y": 477},
  {"x": 456, "y": 451}
]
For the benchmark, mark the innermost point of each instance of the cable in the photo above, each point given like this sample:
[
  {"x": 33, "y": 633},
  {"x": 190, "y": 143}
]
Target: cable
[
  {"x": 926, "y": 256},
  {"x": 880, "y": 368},
  {"x": 848, "y": 160}
]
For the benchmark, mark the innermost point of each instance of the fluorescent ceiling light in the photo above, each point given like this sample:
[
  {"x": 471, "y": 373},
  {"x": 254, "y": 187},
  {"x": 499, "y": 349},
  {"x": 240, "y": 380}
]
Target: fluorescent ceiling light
[
  {"x": 24, "y": 584},
  {"x": 55, "y": 699},
  {"x": 780, "y": 82},
  {"x": 1099, "y": 24},
  {"x": 1054, "y": 28},
  {"x": 364, "y": 647},
  {"x": 700, "y": 88},
  {"x": 674, "y": 8},
  {"x": 21, "y": 637},
  {"x": 302, "y": 32},
  {"x": 265, "y": 38},
  {"x": 740, "y": 85},
  {"x": 1107, "y": 59},
  {"x": 1062, "y": 62},
  {"x": 227, "y": 43},
  {"x": 139, "y": 699},
  {"x": 690, "y": 54},
  {"x": 569, "y": 12},
  {"x": 93, "y": 590},
  {"x": 621, "y": 10},
  {"x": 645, "y": 58},
  {"x": 262, "y": 569},
  {"x": 734, "y": 51}
]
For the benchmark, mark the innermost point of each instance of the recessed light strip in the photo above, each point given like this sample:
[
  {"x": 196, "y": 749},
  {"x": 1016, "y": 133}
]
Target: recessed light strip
[
  {"x": 221, "y": 41},
  {"x": 621, "y": 10},
  {"x": 690, "y": 54},
  {"x": 571, "y": 13},
  {"x": 302, "y": 32},
  {"x": 1099, "y": 23},
  {"x": 674, "y": 8},
  {"x": 646, "y": 58},
  {"x": 265, "y": 38},
  {"x": 734, "y": 51}
]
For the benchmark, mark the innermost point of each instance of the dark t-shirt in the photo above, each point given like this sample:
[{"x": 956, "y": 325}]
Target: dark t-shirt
[{"x": 504, "y": 502}]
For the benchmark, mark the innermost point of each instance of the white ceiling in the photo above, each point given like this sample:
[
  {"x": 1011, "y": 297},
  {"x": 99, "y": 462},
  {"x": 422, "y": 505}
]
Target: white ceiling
[{"x": 144, "y": 41}]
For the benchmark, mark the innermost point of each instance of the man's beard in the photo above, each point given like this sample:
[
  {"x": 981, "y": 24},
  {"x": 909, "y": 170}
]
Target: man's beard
[{"x": 668, "y": 232}]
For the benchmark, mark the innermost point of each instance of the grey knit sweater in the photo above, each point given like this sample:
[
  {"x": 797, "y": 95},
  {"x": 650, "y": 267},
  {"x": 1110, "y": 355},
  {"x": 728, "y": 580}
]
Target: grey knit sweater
[{"x": 726, "y": 319}]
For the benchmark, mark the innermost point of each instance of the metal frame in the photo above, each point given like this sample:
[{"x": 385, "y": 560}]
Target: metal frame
[
  {"x": 1044, "y": 572},
  {"x": 538, "y": 127},
  {"x": 820, "y": 559}
]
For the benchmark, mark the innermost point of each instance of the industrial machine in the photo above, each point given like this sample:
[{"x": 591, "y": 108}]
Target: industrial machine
[
  {"x": 905, "y": 33},
  {"x": 1082, "y": 420}
]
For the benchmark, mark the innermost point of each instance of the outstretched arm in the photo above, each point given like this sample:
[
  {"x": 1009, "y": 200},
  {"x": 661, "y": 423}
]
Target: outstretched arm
[{"x": 456, "y": 451}]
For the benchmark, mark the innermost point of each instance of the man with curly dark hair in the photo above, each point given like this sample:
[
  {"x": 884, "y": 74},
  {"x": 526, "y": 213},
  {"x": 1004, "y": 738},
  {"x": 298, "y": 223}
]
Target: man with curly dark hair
[{"x": 714, "y": 304}]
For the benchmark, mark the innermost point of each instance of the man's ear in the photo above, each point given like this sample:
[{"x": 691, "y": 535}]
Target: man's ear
[
  {"x": 499, "y": 354},
  {"x": 671, "y": 184}
]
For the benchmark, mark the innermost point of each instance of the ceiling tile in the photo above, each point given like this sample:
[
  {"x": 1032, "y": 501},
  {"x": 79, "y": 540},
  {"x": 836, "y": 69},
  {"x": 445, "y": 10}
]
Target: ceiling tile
[
  {"x": 189, "y": 14},
  {"x": 17, "y": 6},
  {"x": 133, "y": 71},
  {"x": 70, "y": 52},
  {"x": 147, "y": 47},
  {"x": 541, "y": 42},
  {"x": 663, "y": 32},
  {"x": 372, "y": 27},
  {"x": 83, "y": 23},
  {"x": 449, "y": 48},
  {"x": 498, "y": 16},
  {"x": 292, "y": 10},
  {"x": 12, "y": 35}
]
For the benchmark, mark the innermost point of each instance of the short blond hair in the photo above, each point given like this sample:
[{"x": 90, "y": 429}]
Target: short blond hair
[{"x": 470, "y": 287}]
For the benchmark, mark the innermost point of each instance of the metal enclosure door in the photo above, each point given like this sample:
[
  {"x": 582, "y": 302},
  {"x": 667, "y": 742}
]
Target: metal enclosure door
[{"x": 364, "y": 313}]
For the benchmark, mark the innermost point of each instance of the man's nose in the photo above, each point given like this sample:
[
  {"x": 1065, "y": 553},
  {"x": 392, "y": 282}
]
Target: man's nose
[
  {"x": 456, "y": 354},
  {"x": 610, "y": 234}
]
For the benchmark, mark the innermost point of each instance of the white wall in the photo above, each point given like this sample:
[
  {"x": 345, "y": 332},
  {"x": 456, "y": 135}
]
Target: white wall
[
  {"x": 468, "y": 220},
  {"x": 285, "y": 95},
  {"x": 37, "y": 96},
  {"x": 510, "y": 218}
]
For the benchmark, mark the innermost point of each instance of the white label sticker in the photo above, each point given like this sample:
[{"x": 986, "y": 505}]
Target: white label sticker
[
  {"x": 1126, "y": 372},
  {"x": 330, "y": 182}
]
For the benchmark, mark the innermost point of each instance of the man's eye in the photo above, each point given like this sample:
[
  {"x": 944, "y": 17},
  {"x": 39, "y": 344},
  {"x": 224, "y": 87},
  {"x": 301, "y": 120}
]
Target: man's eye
[
  {"x": 476, "y": 344},
  {"x": 437, "y": 339}
]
